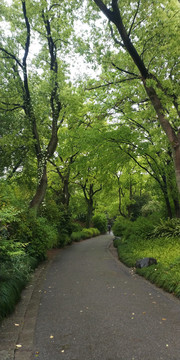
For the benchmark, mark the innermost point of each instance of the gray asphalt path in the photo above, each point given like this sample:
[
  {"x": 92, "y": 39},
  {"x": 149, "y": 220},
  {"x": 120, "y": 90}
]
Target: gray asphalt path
[{"x": 92, "y": 308}]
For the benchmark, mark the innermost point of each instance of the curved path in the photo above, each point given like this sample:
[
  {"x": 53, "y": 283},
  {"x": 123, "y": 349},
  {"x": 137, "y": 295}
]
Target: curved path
[{"x": 92, "y": 308}]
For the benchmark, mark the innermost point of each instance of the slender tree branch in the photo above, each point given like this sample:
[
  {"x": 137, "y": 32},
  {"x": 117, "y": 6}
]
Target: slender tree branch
[
  {"x": 134, "y": 18},
  {"x": 110, "y": 83},
  {"x": 125, "y": 71},
  {"x": 113, "y": 36},
  {"x": 12, "y": 56}
]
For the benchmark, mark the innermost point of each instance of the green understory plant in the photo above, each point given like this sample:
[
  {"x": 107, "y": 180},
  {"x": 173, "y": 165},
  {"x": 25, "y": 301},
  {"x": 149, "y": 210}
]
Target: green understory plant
[{"x": 166, "y": 274}]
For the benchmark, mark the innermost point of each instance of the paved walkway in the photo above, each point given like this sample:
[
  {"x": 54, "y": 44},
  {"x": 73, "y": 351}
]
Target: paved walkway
[{"x": 91, "y": 307}]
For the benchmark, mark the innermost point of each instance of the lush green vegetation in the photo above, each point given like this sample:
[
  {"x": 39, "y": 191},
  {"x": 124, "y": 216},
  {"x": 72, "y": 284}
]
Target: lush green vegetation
[
  {"x": 163, "y": 244},
  {"x": 80, "y": 149}
]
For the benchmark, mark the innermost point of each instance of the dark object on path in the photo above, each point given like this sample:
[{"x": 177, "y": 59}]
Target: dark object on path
[{"x": 148, "y": 261}]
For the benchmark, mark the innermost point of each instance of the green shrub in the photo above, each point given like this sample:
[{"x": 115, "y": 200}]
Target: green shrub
[
  {"x": 100, "y": 222},
  {"x": 86, "y": 233},
  {"x": 44, "y": 237},
  {"x": 116, "y": 242},
  {"x": 75, "y": 226},
  {"x": 168, "y": 228},
  {"x": 76, "y": 236},
  {"x": 95, "y": 231},
  {"x": 64, "y": 239},
  {"x": 120, "y": 225},
  {"x": 139, "y": 229},
  {"x": 37, "y": 233}
]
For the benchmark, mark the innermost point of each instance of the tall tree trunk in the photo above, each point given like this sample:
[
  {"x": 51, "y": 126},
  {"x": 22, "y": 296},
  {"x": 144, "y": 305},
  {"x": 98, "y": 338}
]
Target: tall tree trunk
[
  {"x": 40, "y": 191},
  {"x": 89, "y": 215},
  {"x": 176, "y": 207}
]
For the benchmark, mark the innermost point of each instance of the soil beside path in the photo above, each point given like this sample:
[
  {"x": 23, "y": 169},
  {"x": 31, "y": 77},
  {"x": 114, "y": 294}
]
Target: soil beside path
[{"x": 86, "y": 305}]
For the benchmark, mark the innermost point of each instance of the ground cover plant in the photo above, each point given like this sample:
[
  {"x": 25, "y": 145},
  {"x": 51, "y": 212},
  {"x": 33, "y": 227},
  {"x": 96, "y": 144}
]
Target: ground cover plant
[{"x": 166, "y": 249}]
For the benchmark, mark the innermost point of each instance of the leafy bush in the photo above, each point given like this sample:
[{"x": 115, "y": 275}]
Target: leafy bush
[
  {"x": 37, "y": 233},
  {"x": 120, "y": 225},
  {"x": 87, "y": 233},
  {"x": 75, "y": 226},
  {"x": 139, "y": 229},
  {"x": 44, "y": 237},
  {"x": 76, "y": 236},
  {"x": 167, "y": 229},
  {"x": 95, "y": 231},
  {"x": 100, "y": 222},
  {"x": 64, "y": 239},
  {"x": 84, "y": 234}
]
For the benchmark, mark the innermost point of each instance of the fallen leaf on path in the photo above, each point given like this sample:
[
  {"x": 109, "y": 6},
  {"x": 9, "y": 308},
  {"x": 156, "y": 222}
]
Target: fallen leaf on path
[
  {"x": 16, "y": 324},
  {"x": 51, "y": 337},
  {"x": 18, "y": 346},
  {"x": 164, "y": 319}
]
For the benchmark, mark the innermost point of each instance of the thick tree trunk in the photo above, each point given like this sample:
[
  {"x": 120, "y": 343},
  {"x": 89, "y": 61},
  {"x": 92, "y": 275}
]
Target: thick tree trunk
[
  {"x": 90, "y": 210},
  {"x": 168, "y": 205},
  {"x": 174, "y": 139},
  {"x": 40, "y": 191},
  {"x": 66, "y": 194}
]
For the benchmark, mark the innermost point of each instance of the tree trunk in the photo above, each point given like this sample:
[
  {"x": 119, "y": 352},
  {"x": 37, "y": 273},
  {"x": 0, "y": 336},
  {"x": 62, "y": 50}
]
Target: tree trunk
[
  {"x": 89, "y": 213},
  {"x": 177, "y": 207},
  {"x": 168, "y": 205},
  {"x": 40, "y": 191},
  {"x": 174, "y": 139},
  {"x": 66, "y": 194}
]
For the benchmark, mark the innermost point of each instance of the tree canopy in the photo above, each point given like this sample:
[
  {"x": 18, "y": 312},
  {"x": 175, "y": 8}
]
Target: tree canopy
[{"x": 106, "y": 141}]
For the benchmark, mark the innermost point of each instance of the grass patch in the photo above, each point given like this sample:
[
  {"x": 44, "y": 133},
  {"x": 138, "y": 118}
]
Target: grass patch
[{"x": 166, "y": 274}]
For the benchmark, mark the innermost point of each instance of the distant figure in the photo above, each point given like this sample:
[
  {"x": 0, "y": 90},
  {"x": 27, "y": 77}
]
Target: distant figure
[{"x": 109, "y": 228}]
